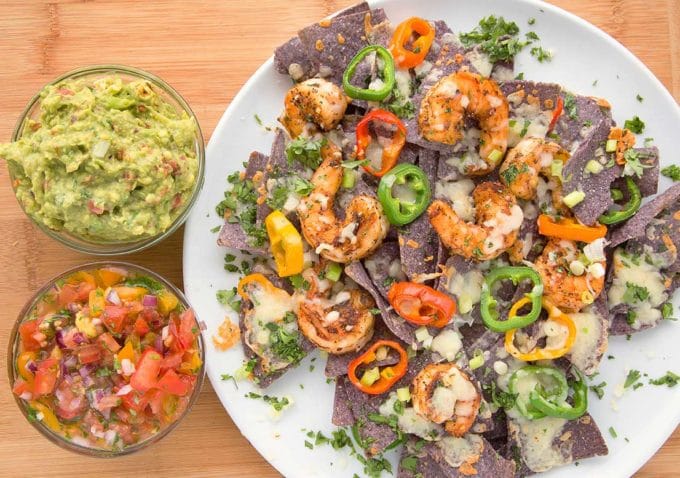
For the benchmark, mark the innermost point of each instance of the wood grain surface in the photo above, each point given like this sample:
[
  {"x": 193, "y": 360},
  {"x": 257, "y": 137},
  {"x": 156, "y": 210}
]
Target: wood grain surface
[{"x": 206, "y": 50}]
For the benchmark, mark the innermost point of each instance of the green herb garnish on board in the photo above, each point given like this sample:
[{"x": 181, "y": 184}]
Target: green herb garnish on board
[
  {"x": 305, "y": 151},
  {"x": 496, "y": 37},
  {"x": 636, "y": 125},
  {"x": 672, "y": 171},
  {"x": 670, "y": 379}
]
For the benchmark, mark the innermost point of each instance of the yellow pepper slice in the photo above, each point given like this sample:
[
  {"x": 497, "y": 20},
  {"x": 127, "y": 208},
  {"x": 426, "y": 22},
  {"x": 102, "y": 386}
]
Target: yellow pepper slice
[
  {"x": 48, "y": 416},
  {"x": 546, "y": 353},
  {"x": 285, "y": 243},
  {"x": 22, "y": 360},
  {"x": 167, "y": 302}
]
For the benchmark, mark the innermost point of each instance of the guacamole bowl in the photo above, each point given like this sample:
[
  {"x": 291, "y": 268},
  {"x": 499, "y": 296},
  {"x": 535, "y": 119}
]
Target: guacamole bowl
[
  {"x": 110, "y": 371},
  {"x": 106, "y": 159}
]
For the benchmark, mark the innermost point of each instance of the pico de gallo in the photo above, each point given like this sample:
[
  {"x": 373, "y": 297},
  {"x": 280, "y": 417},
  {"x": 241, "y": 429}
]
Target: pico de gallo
[{"x": 107, "y": 358}]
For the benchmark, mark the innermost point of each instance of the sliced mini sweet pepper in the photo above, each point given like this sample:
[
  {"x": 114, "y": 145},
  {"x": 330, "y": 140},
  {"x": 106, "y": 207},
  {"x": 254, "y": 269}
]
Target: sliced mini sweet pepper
[
  {"x": 542, "y": 353},
  {"x": 421, "y": 304},
  {"x": 285, "y": 243},
  {"x": 628, "y": 209},
  {"x": 489, "y": 304},
  {"x": 556, "y": 114},
  {"x": 378, "y": 381},
  {"x": 570, "y": 229},
  {"x": 550, "y": 382},
  {"x": 387, "y": 75},
  {"x": 390, "y": 153},
  {"x": 411, "y": 57},
  {"x": 404, "y": 193}
]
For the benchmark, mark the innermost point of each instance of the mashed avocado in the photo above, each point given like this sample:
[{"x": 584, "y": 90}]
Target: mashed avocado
[{"x": 106, "y": 160}]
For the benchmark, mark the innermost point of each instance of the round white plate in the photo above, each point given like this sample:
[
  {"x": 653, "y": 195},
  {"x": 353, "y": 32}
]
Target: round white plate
[{"x": 587, "y": 61}]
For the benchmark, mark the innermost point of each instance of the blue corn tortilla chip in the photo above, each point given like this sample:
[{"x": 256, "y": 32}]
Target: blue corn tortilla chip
[
  {"x": 429, "y": 460},
  {"x": 332, "y": 43},
  {"x": 231, "y": 234},
  {"x": 575, "y": 440},
  {"x": 291, "y": 58},
  {"x": 379, "y": 266},
  {"x": 418, "y": 241}
]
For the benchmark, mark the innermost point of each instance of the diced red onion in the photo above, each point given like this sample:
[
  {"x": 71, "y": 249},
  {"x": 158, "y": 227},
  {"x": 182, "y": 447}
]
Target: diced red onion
[
  {"x": 73, "y": 308},
  {"x": 124, "y": 390},
  {"x": 70, "y": 361},
  {"x": 88, "y": 381},
  {"x": 106, "y": 413},
  {"x": 98, "y": 394},
  {"x": 113, "y": 298},
  {"x": 62, "y": 368},
  {"x": 110, "y": 436},
  {"x": 79, "y": 338},
  {"x": 31, "y": 366},
  {"x": 150, "y": 301},
  {"x": 165, "y": 332},
  {"x": 59, "y": 336},
  {"x": 26, "y": 396},
  {"x": 158, "y": 344},
  {"x": 85, "y": 371}
]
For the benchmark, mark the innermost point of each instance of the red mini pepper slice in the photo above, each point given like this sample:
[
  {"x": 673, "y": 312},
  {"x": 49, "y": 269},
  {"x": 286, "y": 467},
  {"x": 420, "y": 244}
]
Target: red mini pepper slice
[
  {"x": 410, "y": 58},
  {"x": 421, "y": 304},
  {"x": 390, "y": 153},
  {"x": 556, "y": 114},
  {"x": 388, "y": 375}
]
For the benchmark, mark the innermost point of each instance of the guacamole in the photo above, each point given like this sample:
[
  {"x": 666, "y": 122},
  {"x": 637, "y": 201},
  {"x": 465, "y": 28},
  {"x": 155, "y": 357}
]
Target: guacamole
[{"x": 105, "y": 160}]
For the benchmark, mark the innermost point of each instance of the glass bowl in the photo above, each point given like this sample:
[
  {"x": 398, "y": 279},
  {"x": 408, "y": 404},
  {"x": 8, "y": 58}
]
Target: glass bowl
[
  {"x": 58, "y": 438},
  {"x": 99, "y": 246}
]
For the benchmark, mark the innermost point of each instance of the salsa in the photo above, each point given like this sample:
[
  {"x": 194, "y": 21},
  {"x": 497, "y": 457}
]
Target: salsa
[
  {"x": 107, "y": 358},
  {"x": 106, "y": 159}
]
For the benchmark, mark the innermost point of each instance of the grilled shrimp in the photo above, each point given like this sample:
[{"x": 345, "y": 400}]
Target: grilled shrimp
[
  {"x": 498, "y": 219},
  {"x": 340, "y": 324},
  {"x": 525, "y": 161},
  {"x": 316, "y": 101},
  {"x": 443, "y": 393},
  {"x": 359, "y": 234},
  {"x": 566, "y": 290},
  {"x": 442, "y": 112}
]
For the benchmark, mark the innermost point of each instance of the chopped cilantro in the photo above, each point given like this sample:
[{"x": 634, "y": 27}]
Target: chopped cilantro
[
  {"x": 670, "y": 379},
  {"x": 496, "y": 37},
  {"x": 277, "y": 403},
  {"x": 215, "y": 229},
  {"x": 531, "y": 21},
  {"x": 672, "y": 171},
  {"x": 598, "y": 389},
  {"x": 499, "y": 397},
  {"x": 519, "y": 76},
  {"x": 612, "y": 432},
  {"x": 400, "y": 105},
  {"x": 633, "y": 376},
  {"x": 635, "y": 293},
  {"x": 298, "y": 282},
  {"x": 633, "y": 165},
  {"x": 257, "y": 119},
  {"x": 540, "y": 54},
  {"x": 410, "y": 463},
  {"x": 230, "y": 298},
  {"x": 570, "y": 106},
  {"x": 226, "y": 376},
  {"x": 309, "y": 445},
  {"x": 639, "y": 98},
  {"x": 636, "y": 125},
  {"x": 510, "y": 174},
  {"x": 285, "y": 344},
  {"x": 146, "y": 282},
  {"x": 305, "y": 151}
]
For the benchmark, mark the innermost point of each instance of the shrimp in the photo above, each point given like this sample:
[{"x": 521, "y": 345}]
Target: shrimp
[
  {"x": 498, "y": 219},
  {"x": 525, "y": 161},
  {"x": 316, "y": 101},
  {"x": 566, "y": 290},
  {"x": 442, "y": 111},
  {"x": 359, "y": 234},
  {"x": 443, "y": 393},
  {"x": 337, "y": 325}
]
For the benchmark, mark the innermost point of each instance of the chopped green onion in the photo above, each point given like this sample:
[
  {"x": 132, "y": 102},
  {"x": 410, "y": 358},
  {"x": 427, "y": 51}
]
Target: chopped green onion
[
  {"x": 349, "y": 178},
  {"x": 610, "y": 146},
  {"x": 333, "y": 271},
  {"x": 404, "y": 394},
  {"x": 556, "y": 168},
  {"x": 370, "y": 376},
  {"x": 573, "y": 198},
  {"x": 477, "y": 361},
  {"x": 422, "y": 334},
  {"x": 593, "y": 166},
  {"x": 495, "y": 156}
]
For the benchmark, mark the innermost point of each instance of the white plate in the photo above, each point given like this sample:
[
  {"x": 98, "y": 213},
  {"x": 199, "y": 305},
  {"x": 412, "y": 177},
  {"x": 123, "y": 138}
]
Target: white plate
[{"x": 583, "y": 54}]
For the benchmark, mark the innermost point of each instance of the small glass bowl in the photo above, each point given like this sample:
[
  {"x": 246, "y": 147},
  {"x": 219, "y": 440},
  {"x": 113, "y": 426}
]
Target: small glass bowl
[
  {"x": 55, "y": 437},
  {"x": 112, "y": 248}
]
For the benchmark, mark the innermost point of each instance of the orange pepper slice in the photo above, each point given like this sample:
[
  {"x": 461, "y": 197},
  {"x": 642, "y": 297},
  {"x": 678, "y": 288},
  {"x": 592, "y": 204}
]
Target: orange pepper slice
[
  {"x": 410, "y": 58},
  {"x": 570, "y": 229},
  {"x": 389, "y": 375}
]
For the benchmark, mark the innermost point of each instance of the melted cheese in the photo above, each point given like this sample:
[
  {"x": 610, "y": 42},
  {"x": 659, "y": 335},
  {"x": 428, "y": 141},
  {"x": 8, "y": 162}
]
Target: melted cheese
[
  {"x": 589, "y": 343},
  {"x": 536, "y": 439},
  {"x": 641, "y": 274},
  {"x": 467, "y": 288},
  {"x": 457, "y": 451},
  {"x": 447, "y": 344},
  {"x": 538, "y": 120},
  {"x": 460, "y": 195},
  {"x": 480, "y": 61},
  {"x": 502, "y": 225}
]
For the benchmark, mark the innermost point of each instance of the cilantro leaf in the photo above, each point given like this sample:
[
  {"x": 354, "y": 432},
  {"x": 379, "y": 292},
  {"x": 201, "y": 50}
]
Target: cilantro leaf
[
  {"x": 636, "y": 125},
  {"x": 672, "y": 171}
]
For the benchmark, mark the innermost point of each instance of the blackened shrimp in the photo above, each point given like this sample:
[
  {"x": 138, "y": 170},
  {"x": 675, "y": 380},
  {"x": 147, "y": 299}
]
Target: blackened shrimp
[{"x": 315, "y": 101}]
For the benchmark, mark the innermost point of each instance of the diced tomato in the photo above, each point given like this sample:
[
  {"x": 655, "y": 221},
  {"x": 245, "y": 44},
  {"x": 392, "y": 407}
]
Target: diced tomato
[
  {"x": 71, "y": 400},
  {"x": 124, "y": 432},
  {"x": 135, "y": 401},
  {"x": 171, "y": 383},
  {"x": 172, "y": 360},
  {"x": 187, "y": 330},
  {"x": 147, "y": 370},
  {"x": 114, "y": 318},
  {"x": 108, "y": 343},
  {"x": 21, "y": 386},
  {"x": 46, "y": 377},
  {"x": 71, "y": 337},
  {"x": 155, "y": 400},
  {"x": 75, "y": 293},
  {"x": 27, "y": 330},
  {"x": 141, "y": 327},
  {"x": 107, "y": 401},
  {"x": 89, "y": 353}
]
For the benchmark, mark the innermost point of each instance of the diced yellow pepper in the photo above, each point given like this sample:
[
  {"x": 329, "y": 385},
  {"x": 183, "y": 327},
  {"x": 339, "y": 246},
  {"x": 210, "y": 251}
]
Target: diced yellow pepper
[
  {"x": 84, "y": 324},
  {"x": 387, "y": 373},
  {"x": 81, "y": 276},
  {"x": 285, "y": 243},
  {"x": 167, "y": 302},
  {"x": 127, "y": 352},
  {"x": 130, "y": 293},
  {"x": 97, "y": 302},
  {"x": 48, "y": 416},
  {"x": 22, "y": 360},
  {"x": 108, "y": 277},
  {"x": 192, "y": 365}
]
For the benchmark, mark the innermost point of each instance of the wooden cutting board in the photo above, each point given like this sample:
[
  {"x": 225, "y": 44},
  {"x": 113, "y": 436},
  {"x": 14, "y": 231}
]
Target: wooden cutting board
[{"x": 206, "y": 49}]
